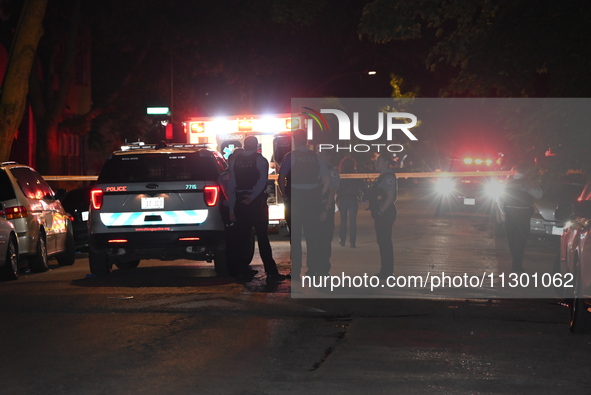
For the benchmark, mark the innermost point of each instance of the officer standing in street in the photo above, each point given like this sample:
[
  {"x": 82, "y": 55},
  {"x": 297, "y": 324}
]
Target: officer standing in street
[
  {"x": 517, "y": 206},
  {"x": 303, "y": 180},
  {"x": 382, "y": 203},
  {"x": 248, "y": 207},
  {"x": 327, "y": 214}
]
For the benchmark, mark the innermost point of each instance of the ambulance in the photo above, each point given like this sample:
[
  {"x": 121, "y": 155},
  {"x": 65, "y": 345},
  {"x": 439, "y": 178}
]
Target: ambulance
[{"x": 273, "y": 132}]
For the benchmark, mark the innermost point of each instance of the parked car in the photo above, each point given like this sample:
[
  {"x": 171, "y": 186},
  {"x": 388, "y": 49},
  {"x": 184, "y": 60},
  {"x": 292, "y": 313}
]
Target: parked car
[
  {"x": 158, "y": 202},
  {"x": 76, "y": 203},
  {"x": 8, "y": 249},
  {"x": 543, "y": 223},
  {"x": 471, "y": 193},
  {"x": 574, "y": 265},
  {"x": 43, "y": 227}
]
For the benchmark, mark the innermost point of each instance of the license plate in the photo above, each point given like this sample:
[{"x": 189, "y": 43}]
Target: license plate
[
  {"x": 85, "y": 216},
  {"x": 469, "y": 202},
  {"x": 149, "y": 203},
  {"x": 557, "y": 230}
]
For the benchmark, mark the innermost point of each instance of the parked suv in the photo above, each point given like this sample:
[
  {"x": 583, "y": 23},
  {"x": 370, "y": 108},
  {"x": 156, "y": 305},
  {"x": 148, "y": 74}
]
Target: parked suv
[
  {"x": 157, "y": 202},
  {"x": 43, "y": 227}
]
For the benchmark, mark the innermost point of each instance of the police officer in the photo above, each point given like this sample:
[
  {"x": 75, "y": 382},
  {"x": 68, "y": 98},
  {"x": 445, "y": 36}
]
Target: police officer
[
  {"x": 382, "y": 203},
  {"x": 248, "y": 207},
  {"x": 303, "y": 180},
  {"x": 327, "y": 214},
  {"x": 517, "y": 206},
  {"x": 233, "y": 255}
]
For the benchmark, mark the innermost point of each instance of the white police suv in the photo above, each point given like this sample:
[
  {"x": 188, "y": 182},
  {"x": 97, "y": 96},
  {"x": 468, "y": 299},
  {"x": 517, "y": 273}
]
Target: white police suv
[{"x": 157, "y": 202}]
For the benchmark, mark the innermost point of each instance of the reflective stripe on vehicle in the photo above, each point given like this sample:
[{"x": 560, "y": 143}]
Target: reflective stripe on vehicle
[{"x": 154, "y": 218}]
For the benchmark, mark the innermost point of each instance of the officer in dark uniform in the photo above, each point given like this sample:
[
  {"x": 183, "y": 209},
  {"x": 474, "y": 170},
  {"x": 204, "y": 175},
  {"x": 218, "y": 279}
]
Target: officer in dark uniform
[
  {"x": 248, "y": 207},
  {"x": 233, "y": 255},
  {"x": 327, "y": 214},
  {"x": 303, "y": 179},
  {"x": 382, "y": 203},
  {"x": 517, "y": 206}
]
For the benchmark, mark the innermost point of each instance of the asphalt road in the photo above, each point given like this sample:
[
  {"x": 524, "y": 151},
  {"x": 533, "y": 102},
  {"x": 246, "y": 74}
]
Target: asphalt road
[{"x": 174, "y": 328}]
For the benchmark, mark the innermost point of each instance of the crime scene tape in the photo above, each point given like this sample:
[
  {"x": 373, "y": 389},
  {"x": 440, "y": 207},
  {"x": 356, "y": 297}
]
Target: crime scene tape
[{"x": 431, "y": 174}]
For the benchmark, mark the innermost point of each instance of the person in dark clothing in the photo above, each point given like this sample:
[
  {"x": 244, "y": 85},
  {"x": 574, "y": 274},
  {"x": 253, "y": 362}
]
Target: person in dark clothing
[
  {"x": 382, "y": 203},
  {"x": 348, "y": 195},
  {"x": 327, "y": 214},
  {"x": 303, "y": 180},
  {"x": 517, "y": 206},
  {"x": 248, "y": 207}
]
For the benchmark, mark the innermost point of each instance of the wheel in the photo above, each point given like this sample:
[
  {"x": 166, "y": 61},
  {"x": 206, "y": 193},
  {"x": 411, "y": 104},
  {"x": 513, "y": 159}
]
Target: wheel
[
  {"x": 220, "y": 259},
  {"x": 100, "y": 264},
  {"x": 10, "y": 269},
  {"x": 39, "y": 263},
  {"x": 68, "y": 257},
  {"x": 579, "y": 317},
  {"x": 127, "y": 265}
]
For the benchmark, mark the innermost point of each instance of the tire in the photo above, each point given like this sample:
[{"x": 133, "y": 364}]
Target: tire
[
  {"x": 580, "y": 321},
  {"x": 68, "y": 257},
  {"x": 100, "y": 264},
  {"x": 220, "y": 259},
  {"x": 10, "y": 269},
  {"x": 39, "y": 263},
  {"x": 127, "y": 265}
]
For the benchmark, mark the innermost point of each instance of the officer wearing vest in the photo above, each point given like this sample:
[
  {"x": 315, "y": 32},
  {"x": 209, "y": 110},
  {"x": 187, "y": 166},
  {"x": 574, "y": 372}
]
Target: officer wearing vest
[
  {"x": 382, "y": 204},
  {"x": 303, "y": 180},
  {"x": 517, "y": 205},
  {"x": 248, "y": 207}
]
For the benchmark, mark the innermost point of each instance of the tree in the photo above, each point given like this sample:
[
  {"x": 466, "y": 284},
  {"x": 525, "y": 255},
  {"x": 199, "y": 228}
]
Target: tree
[
  {"x": 498, "y": 48},
  {"x": 504, "y": 48},
  {"x": 15, "y": 84},
  {"x": 50, "y": 80}
]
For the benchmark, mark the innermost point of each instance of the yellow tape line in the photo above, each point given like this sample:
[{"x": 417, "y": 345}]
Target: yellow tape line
[{"x": 432, "y": 174}]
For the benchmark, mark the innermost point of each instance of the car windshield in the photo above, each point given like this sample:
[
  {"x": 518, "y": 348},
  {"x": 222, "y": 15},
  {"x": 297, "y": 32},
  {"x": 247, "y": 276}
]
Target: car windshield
[{"x": 159, "y": 168}]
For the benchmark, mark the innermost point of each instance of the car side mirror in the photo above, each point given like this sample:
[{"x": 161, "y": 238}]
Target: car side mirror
[
  {"x": 563, "y": 212},
  {"x": 582, "y": 209}
]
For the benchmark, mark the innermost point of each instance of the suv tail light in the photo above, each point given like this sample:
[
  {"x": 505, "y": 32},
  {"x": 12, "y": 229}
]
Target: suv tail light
[
  {"x": 96, "y": 198},
  {"x": 15, "y": 212},
  {"x": 210, "y": 194}
]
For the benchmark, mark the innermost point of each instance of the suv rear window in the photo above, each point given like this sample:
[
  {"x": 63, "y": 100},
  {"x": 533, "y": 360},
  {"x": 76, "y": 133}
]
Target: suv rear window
[
  {"x": 31, "y": 183},
  {"x": 159, "y": 168}
]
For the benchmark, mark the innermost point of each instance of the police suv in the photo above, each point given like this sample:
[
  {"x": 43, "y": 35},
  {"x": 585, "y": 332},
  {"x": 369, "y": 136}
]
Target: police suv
[{"x": 157, "y": 202}]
